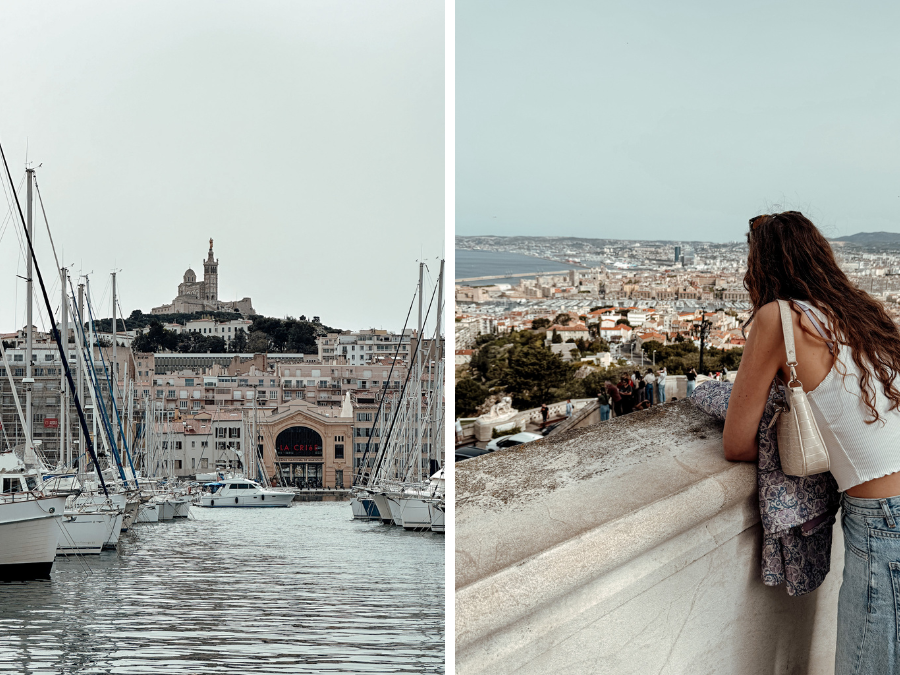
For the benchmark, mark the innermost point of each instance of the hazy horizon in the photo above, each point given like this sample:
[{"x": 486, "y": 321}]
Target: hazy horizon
[
  {"x": 676, "y": 121},
  {"x": 306, "y": 139}
]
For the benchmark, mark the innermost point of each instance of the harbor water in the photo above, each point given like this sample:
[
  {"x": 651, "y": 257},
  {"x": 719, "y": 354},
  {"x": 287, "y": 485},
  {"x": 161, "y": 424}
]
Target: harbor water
[
  {"x": 477, "y": 263},
  {"x": 298, "y": 590}
]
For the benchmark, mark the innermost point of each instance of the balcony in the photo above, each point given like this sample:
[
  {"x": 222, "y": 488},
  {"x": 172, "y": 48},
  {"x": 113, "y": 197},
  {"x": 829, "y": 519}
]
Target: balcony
[{"x": 627, "y": 547}]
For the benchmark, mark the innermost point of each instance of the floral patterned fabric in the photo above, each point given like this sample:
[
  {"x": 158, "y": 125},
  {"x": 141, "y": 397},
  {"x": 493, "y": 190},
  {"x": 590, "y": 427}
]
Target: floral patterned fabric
[{"x": 797, "y": 513}]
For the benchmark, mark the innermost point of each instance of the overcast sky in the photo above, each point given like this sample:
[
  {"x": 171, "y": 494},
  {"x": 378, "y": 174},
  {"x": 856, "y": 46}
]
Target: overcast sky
[
  {"x": 675, "y": 120},
  {"x": 306, "y": 138}
]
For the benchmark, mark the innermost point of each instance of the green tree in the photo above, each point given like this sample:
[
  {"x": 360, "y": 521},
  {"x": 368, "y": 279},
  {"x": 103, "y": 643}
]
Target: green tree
[
  {"x": 562, "y": 320},
  {"x": 533, "y": 372},
  {"x": 652, "y": 345},
  {"x": 537, "y": 324},
  {"x": 556, "y": 339},
  {"x": 623, "y": 320},
  {"x": 239, "y": 341},
  {"x": 469, "y": 395},
  {"x": 258, "y": 342},
  {"x": 302, "y": 338}
]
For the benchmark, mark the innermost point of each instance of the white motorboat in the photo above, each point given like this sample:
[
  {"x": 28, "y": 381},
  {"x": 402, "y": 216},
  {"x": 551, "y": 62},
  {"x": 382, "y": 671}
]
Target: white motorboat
[
  {"x": 29, "y": 528},
  {"x": 242, "y": 492}
]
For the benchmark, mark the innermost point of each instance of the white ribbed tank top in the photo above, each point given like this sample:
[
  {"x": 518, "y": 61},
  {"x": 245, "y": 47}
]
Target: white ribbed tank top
[{"x": 858, "y": 452}]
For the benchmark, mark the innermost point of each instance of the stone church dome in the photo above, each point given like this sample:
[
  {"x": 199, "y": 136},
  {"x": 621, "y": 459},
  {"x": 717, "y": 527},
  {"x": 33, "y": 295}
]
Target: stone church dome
[{"x": 190, "y": 276}]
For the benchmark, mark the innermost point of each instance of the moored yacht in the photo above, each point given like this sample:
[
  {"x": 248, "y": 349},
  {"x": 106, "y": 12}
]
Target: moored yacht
[
  {"x": 242, "y": 492},
  {"x": 29, "y": 525}
]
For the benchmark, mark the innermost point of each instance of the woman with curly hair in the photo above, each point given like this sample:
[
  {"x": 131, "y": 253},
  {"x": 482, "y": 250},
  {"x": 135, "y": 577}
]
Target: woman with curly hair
[{"x": 848, "y": 359}]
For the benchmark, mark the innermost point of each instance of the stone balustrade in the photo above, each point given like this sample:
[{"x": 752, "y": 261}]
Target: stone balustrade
[{"x": 626, "y": 547}]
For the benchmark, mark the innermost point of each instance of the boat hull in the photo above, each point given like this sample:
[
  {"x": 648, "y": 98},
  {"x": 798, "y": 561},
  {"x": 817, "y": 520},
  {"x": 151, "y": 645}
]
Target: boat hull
[
  {"x": 25, "y": 571},
  {"x": 364, "y": 509},
  {"x": 268, "y": 500},
  {"x": 148, "y": 513},
  {"x": 384, "y": 509},
  {"x": 414, "y": 514},
  {"x": 131, "y": 512},
  {"x": 115, "y": 529},
  {"x": 437, "y": 518},
  {"x": 396, "y": 511},
  {"x": 83, "y": 533},
  {"x": 29, "y": 535},
  {"x": 166, "y": 510},
  {"x": 182, "y": 508}
]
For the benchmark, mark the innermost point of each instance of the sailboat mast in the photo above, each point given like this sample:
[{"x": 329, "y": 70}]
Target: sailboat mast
[
  {"x": 418, "y": 389},
  {"x": 115, "y": 364},
  {"x": 437, "y": 388},
  {"x": 79, "y": 355},
  {"x": 29, "y": 336},
  {"x": 65, "y": 450}
]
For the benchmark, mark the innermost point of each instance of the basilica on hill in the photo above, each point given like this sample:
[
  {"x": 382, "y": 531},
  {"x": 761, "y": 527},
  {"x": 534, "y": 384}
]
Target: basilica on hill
[{"x": 203, "y": 296}]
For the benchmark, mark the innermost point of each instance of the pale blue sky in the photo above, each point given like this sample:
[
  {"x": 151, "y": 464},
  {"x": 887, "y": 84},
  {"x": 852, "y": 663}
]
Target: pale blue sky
[
  {"x": 675, "y": 120},
  {"x": 306, "y": 138}
]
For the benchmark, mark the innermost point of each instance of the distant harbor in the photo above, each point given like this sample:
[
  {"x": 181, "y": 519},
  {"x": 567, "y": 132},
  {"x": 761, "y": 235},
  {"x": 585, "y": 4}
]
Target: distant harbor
[{"x": 509, "y": 266}]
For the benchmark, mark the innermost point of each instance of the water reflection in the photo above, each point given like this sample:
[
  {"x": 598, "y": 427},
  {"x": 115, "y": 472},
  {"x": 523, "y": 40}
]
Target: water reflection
[{"x": 297, "y": 590}]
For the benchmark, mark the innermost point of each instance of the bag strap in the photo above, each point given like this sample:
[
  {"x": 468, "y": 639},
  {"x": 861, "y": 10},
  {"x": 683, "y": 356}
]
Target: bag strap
[{"x": 787, "y": 327}]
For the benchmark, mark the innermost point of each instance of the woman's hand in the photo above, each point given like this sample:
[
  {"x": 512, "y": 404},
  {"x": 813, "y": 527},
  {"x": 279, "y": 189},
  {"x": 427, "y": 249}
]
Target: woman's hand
[{"x": 763, "y": 355}]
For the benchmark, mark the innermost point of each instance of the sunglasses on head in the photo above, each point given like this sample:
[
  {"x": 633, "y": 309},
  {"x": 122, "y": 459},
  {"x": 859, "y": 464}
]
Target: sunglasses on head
[{"x": 758, "y": 220}]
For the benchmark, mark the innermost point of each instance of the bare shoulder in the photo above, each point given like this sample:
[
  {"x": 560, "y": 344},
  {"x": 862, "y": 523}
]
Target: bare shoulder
[
  {"x": 767, "y": 326},
  {"x": 768, "y": 316}
]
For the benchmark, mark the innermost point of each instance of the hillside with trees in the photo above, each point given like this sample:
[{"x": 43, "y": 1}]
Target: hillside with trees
[
  {"x": 521, "y": 366},
  {"x": 265, "y": 334}
]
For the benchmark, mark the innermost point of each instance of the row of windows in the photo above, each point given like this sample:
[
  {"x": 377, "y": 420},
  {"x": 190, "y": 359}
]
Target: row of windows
[{"x": 171, "y": 393}]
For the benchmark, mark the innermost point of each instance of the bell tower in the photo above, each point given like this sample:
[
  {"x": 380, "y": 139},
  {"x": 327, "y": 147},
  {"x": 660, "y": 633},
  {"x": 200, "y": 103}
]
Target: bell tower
[{"x": 211, "y": 276}]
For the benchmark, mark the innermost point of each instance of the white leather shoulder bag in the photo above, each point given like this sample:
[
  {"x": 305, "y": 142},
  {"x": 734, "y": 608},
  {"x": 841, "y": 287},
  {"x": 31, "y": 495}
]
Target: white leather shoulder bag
[{"x": 800, "y": 443}]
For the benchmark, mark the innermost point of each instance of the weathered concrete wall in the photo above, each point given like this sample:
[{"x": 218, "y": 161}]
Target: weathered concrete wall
[{"x": 627, "y": 547}]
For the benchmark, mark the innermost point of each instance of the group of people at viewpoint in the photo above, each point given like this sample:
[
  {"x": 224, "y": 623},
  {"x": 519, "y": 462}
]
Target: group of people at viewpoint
[{"x": 635, "y": 392}]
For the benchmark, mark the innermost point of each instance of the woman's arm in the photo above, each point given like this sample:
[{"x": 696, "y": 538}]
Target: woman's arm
[{"x": 763, "y": 355}]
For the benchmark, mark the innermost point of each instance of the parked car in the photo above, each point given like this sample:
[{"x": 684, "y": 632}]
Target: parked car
[
  {"x": 469, "y": 451},
  {"x": 546, "y": 430},
  {"x": 510, "y": 441}
]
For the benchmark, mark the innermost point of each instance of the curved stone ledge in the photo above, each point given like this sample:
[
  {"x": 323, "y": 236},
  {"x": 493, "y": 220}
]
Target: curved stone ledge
[{"x": 578, "y": 530}]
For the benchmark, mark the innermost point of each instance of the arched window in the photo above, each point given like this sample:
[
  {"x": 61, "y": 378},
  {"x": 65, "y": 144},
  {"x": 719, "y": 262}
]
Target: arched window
[{"x": 299, "y": 442}]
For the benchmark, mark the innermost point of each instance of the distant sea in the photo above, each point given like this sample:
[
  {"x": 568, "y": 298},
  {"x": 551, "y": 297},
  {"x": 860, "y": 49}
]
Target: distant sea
[{"x": 489, "y": 263}]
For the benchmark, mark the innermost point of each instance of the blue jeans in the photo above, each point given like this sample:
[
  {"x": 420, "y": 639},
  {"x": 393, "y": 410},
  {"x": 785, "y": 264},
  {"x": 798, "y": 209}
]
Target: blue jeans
[
  {"x": 648, "y": 389},
  {"x": 691, "y": 385},
  {"x": 660, "y": 392},
  {"x": 868, "y": 635},
  {"x": 604, "y": 412}
]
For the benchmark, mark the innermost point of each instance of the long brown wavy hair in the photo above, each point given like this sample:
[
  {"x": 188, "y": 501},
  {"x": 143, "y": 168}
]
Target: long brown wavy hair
[{"x": 790, "y": 259}]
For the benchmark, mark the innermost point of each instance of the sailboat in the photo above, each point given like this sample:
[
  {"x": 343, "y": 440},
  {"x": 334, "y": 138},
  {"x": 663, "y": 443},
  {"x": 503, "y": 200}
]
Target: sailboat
[
  {"x": 411, "y": 438},
  {"x": 83, "y": 527},
  {"x": 29, "y": 523}
]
